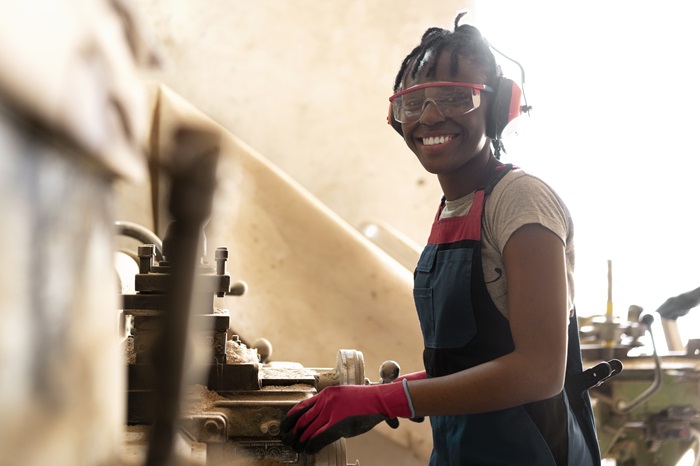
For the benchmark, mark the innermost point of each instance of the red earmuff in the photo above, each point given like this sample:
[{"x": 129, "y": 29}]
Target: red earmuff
[{"x": 505, "y": 107}]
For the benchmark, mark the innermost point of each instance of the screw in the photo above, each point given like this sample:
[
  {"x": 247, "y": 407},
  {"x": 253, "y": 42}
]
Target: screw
[{"x": 270, "y": 427}]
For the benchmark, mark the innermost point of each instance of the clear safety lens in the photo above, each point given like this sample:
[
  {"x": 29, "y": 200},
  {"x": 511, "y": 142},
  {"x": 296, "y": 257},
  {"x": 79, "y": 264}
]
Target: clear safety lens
[{"x": 451, "y": 101}]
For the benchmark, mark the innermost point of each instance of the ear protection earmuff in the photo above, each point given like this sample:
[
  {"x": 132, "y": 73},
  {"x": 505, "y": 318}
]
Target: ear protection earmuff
[{"x": 504, "y": 107}]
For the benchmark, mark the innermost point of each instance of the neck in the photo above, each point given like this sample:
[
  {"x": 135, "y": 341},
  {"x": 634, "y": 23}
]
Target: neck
[{"x": 471, "y": 177}]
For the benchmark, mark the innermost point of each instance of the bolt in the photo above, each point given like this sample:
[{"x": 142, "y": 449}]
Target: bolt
[
  {"x": 220, "y": 256},
  {"x": 211, "y": 426},
  {"x": 270, "y": 427},
  {"x": 146, "y": 253}
]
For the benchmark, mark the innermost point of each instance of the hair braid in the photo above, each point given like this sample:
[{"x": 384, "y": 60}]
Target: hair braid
[{"x": 465, "y": 40}]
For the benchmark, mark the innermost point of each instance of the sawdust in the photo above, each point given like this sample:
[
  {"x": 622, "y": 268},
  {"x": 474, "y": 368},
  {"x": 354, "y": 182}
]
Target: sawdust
[
  {"x": 286, "y": 373},
  {"x": 199, "y": 399},
  {"x": 330, "y": 375},
  {"x": 129, "y": 351},
  {"x": 239, "y": 353},
  {"x": 301, "y": 387}
]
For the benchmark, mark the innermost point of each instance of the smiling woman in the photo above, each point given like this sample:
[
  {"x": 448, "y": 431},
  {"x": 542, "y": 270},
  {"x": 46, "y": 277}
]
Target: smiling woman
[
  {"x": 492, "y": 288},
  {"x": 612, "y": 131}
]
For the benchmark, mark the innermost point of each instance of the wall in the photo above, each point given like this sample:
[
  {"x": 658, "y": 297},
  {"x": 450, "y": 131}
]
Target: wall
[{"x": 306, "y": 84}]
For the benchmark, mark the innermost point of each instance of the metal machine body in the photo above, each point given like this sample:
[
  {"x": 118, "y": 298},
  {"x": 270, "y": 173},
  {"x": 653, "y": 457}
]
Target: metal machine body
[
  {"x": 649, "y": 414},
  {"x": 232, "y": 407}
]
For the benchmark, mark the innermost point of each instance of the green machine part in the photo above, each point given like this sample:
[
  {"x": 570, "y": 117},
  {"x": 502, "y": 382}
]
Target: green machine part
[{"x": 662, "y": 427}]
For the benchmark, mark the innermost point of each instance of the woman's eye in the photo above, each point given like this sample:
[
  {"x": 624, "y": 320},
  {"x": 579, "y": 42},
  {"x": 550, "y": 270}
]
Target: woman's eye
[
  {"x": 412, "y": 105},
  {"x": 457, "y": 100}
]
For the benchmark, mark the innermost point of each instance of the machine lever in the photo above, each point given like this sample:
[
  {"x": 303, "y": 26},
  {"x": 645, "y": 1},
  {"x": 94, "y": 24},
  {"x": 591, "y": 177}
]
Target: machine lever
[
  {"x": 624, "y": 407},
  {"x": 592, "y": 377}
]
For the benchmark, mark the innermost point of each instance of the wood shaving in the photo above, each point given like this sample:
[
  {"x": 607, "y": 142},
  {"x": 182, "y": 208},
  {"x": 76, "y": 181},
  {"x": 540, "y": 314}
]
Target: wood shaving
[
  {"x": 286, "y": 373},
  {"x": 238, "y": 353},
  {"x": 297, "y": 387},
  {"x": 199, "y": 399},
  {"x": 129, "y": 352}
]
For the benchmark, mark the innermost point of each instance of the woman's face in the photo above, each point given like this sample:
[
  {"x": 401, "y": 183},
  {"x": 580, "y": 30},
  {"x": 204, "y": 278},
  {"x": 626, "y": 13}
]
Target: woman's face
[{"x": 446, "y": 145}]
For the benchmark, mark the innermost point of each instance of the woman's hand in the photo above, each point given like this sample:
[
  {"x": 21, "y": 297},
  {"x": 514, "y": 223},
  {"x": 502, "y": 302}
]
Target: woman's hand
[{"x": 342, "y": 411}]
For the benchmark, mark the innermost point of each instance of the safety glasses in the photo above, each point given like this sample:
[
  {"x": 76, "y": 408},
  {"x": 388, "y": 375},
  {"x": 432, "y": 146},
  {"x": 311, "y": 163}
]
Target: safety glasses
[{"x": 451, "y": 99}]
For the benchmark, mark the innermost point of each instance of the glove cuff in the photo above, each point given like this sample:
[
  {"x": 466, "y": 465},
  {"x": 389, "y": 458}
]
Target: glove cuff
[
  {"x": 396, "y": 400},
  {"x": 404, "y": 382}
]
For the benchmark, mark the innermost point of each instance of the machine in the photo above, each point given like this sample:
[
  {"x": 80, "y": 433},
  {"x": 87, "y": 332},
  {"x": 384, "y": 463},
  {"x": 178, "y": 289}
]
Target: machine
[
  {"x": 649, "y": 414},
  {"x": 234, "y": 397}
]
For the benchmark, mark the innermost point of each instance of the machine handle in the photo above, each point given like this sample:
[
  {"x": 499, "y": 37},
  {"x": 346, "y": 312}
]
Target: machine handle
[{"x": 625, "y": 407}]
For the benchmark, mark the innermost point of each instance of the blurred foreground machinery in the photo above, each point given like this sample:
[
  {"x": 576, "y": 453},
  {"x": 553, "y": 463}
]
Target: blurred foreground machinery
[
  {"x": 234, "y": 398},
  {"x": 198, "y": 392},
  {"x": 648, "y": 414}
]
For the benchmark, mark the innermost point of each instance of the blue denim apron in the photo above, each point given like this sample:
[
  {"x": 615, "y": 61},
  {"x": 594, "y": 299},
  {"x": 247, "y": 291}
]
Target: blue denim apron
[{"x": 462, "y": 328}]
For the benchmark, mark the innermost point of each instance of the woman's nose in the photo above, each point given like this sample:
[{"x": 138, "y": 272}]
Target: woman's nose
[{"x": 431, "y": 113}]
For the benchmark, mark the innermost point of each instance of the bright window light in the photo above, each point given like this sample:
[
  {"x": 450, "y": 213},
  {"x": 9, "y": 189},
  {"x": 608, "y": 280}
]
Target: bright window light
[{"x": 613, "y": 130}]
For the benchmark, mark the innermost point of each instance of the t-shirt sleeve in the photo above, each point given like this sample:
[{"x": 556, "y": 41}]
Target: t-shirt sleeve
[{"x": 521, "y": 201}]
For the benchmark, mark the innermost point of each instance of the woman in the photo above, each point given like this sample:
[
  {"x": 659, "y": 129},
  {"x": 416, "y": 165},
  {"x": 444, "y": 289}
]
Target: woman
[{"x": 493, "y": 286}]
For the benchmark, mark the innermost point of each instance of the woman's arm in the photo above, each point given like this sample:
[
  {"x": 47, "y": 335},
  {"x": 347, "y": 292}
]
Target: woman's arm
[{"x": 535, "y": 268}]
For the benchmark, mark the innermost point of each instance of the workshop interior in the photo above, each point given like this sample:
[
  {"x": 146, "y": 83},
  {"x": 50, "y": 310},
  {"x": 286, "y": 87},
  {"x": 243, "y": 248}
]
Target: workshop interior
[{"x": 206, "y": 219}]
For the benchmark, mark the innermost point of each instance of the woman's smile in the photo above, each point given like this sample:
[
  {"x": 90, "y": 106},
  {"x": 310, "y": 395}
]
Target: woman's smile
[
  {"x": 435, "y": 140},
  {"x": 432, "y": 143}
]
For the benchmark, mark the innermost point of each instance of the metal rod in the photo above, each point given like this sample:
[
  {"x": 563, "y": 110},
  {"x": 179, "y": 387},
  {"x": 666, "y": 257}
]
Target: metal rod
[
  {"x": 141, "y": 233},
  {"x": 624, "y": 407}
]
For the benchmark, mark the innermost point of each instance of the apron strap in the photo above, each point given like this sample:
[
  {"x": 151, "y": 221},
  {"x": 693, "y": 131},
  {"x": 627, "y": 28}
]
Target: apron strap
[{"x": 578, "y": 382}]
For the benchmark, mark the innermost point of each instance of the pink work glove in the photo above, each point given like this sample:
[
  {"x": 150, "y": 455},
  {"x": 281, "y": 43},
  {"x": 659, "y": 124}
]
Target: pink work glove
[
  {"x": 342, "y": 411},
  {"x": 412, "y": 376}
]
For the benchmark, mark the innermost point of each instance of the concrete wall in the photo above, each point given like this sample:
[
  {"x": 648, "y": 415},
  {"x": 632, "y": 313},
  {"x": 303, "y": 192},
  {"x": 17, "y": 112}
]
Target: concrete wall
[{"x": 306, "y": 84}]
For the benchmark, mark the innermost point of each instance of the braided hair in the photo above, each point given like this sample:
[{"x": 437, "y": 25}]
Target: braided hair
[{"x": 465, "y": 40}]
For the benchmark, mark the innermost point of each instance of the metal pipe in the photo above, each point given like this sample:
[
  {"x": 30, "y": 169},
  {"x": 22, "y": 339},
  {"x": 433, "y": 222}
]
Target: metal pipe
[
  {"x": 623, "y": 407},
  {"x": 673, "y": 336},
  {"x": 141, "y": 233}
]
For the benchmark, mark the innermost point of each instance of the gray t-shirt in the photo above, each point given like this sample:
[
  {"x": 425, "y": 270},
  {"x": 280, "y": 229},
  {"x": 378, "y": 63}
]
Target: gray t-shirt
[{"x": 518, "y": 199}]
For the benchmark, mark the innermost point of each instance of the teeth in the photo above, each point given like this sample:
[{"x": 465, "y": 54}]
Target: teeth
[{"x": 432, "y": 141}]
